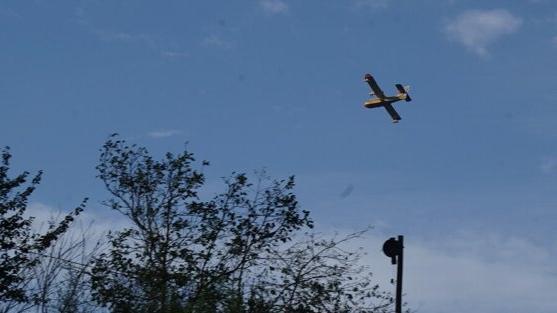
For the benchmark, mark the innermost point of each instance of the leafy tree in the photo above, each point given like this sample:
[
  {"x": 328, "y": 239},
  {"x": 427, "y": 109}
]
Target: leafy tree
[
  {"x": 237, "y": 252},
  {"x": 182, "y": 253},
  {"x": 20, "y": 246}
]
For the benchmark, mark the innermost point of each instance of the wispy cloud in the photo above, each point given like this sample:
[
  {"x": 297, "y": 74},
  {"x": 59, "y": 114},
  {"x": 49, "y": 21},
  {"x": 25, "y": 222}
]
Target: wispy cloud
[
  {"x": 95, "y": 222},
  {"x": 174, "y": 54},
  {"x": 554, "y": 41},
  {"x": 372, "y": 3},
  {"x": 216, "y": 41},
  {"x": 80, "y": 17},
  {"x": 477, "y": 29},
  {"x": 164, "y": 133},
  {"x": 148, "y": 41},
  {"x": 117, "y": 36},
  {"x": 274, "y": 6}
]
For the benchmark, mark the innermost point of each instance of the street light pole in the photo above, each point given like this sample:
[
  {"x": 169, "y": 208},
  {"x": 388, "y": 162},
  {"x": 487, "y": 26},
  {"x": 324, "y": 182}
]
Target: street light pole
[
  {"x": 398, "y": 308},
  {"x": 394, "y": 249}
]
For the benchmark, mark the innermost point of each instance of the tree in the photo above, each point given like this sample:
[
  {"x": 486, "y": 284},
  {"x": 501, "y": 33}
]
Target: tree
[
  {"x": 20, "y": 246},
  {"x": 182, "y": 253},
  {"x": 232, "y": 253},
  {"x": 319, "y": 275},
  {"x": 59, "y": 280},
  {"x": 71, "y": 255}
]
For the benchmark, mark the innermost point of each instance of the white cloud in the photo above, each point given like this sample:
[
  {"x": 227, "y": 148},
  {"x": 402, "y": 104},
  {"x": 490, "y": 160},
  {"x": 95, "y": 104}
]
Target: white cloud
[
  {"x": 174, "y": 54},
  {"x": 274, "y": 6},
  {"x": 454, "y": 273},
  {"x": 164, "y": 133},
  {"x": 149, "y": 41},
  {"x": 109, "y": 35},
  {"x": 477, "y": 29},
  {"x": 554, "y": 41},
  {"x": 90, "y": 220},
  {"x": 469, "y": 273},
  {"x": 466, "y": 281}
]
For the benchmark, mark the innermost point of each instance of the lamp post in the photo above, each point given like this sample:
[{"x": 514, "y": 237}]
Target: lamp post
[{"x": 393, "y": 248}]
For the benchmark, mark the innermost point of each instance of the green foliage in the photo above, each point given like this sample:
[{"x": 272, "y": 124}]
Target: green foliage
[{"x": 19, "y": 245}]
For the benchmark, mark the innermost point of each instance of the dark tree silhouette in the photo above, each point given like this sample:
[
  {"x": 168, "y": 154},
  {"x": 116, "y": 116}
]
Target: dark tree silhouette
[
  {"x": 20, "y": 246},
  {"x": 244, "y": 250}
]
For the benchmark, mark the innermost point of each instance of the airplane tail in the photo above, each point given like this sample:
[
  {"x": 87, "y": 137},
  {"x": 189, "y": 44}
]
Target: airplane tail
[{"x": 403, "y": 90}]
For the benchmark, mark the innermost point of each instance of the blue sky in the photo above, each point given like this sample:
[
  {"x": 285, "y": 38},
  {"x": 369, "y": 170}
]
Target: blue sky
[{"x": 469, "y": 173}]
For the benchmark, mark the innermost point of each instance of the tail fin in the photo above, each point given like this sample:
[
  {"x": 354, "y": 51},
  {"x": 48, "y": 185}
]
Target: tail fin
[{"x": 404, "y": 90}]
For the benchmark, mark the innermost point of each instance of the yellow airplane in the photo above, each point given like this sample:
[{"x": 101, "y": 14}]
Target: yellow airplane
[{"x": 385, "y": 101}]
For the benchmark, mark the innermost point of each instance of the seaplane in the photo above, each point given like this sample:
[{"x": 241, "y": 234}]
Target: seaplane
[{"x": 381, "y": 100}]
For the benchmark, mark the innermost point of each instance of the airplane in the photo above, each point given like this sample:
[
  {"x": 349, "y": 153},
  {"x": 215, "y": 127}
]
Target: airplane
[{"x": 385, "y": 101}]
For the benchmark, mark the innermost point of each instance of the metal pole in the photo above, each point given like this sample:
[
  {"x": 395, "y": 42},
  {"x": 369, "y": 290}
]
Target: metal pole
[{"x": 398, "y": 307}]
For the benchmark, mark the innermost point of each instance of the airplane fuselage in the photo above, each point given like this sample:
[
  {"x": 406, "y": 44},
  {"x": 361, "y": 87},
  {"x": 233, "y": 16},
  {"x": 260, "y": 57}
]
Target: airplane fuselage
[{"x": 378, "y": 102}]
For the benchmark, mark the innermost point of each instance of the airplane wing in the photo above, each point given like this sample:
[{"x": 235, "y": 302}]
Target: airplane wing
[
  {"x": 404, "y": 90},
  {"x": 376, "y": 90},
  {"x": 394, "y": 115},
  {"x": 400, "y": 88}
]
